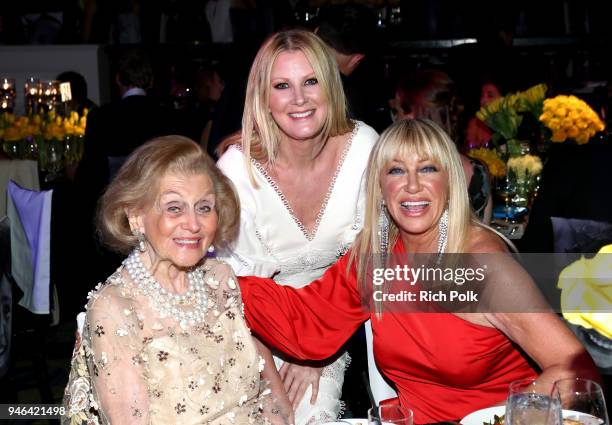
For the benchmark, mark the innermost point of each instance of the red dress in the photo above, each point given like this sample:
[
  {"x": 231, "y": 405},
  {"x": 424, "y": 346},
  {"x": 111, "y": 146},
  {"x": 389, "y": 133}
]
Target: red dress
[{"x": 443, "y": 366}]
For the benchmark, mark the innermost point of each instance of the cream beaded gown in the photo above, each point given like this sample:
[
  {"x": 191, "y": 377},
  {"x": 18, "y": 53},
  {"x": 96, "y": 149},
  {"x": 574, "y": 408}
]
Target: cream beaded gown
[
  {"x": 272, "y": 240},
  {"x": 133, "y": 366}
]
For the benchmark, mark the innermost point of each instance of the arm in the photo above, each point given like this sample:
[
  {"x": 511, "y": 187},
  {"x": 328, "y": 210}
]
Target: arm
[
  {"x": 118, "y": 377},
  {"x": 275, "y": 383},
  {"x": 310, "y": 323},
  {"x": 547, "y": 341},
  {"x": 516, "y": 308}
]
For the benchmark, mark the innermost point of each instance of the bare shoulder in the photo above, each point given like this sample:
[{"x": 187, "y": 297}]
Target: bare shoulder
[{"x": 482, "y": 240}]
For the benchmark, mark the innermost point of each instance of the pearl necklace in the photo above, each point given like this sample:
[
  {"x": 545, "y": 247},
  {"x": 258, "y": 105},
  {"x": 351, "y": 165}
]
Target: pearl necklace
[{"x": 165, "y": 302}]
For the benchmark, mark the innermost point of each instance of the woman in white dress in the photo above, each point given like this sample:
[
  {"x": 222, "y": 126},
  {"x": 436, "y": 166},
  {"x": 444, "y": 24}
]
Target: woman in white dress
[{"x": 297, "y": 167}]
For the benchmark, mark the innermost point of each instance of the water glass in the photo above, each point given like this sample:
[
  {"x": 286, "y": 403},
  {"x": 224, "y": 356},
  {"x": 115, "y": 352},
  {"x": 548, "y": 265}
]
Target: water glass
[
  {"x": 582, "y": 400},
  {"x": 531, "y": 402},
  {"x": 389, "y": 415}
]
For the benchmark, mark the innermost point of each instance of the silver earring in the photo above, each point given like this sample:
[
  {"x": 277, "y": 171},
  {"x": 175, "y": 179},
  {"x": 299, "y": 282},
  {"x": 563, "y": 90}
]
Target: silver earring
[
  {"x": 211, "y": 249},
  {"x": 142, "y": 246},
  {"x": 383, "y": 231},
  {"x": 443, "y": 232}
]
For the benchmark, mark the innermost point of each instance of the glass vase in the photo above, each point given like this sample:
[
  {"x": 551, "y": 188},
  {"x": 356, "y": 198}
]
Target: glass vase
[{"x": 13, "y": 148}]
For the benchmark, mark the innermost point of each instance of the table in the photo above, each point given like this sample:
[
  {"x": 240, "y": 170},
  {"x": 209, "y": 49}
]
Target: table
[
  {"x": 511, "y": 230},
  {"x": 22, "y": 172}
]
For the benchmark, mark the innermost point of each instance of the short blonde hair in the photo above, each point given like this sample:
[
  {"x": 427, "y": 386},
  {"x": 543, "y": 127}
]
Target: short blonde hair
[
  {"x": 136, "y": 186},
  {"x": 428, "y": 140},
  {"x": 260, "y": 134}
]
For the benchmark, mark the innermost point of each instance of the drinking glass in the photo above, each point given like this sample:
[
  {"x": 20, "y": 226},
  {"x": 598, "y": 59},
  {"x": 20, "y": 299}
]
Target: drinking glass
[
  {"x": 32, "y": 90},
  {"x": 391, "y": 415},
  {"x": 506, "y": 190},
  {"x": 7, "y": 94},
  {"x": 582, "y": 400},
  {"x": 50, "y": 94},
  {"x": 532, "y": 403}
]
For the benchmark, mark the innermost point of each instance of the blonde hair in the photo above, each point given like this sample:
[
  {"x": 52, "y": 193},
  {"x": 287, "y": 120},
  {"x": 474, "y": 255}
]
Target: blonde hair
[
  {"x": 260, "y": 134},
  {"x": 427, "y": 140},
  {"x": 136, "y": 186}
]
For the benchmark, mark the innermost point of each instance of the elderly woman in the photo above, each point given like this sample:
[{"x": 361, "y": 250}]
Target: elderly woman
[
  {"x": 298, "y": 167},
  {"x": 159, "y": 345},
  {"x": 444, "y": 364}
]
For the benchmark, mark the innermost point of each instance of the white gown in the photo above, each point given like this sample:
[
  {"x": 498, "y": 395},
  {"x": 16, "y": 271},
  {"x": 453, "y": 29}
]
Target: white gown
[{"x": 272, "y": 239}]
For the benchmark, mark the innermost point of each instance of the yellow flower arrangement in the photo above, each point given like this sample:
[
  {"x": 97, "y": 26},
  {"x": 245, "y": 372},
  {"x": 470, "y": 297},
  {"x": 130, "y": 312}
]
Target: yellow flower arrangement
[
  {"x": 48, "y": 127},
  {"x": 496, "y": 166},
  {"x": 525, "y": 166},
  {"x": 569, "y": 117},
  {"x": 52, "y": 126},
  {"x": 505, "y": 115}
]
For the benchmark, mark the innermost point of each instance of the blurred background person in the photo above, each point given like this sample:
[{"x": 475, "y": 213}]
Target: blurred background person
[
  {"x": 113, "y": 132},
  {"x": 78, "y": 90},
  {"x": 477, "y": 133},
  {"x": 432, "y": 94},
  {"x": 349, "y": 30}
]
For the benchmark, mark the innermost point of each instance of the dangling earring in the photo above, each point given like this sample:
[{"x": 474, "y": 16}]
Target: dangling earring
[
  {"x": 443, "y": 231},
  {"x": 142, "y": 246},
  {"x": 211, "y": 249},
  {"x": 383, "y": 231}
]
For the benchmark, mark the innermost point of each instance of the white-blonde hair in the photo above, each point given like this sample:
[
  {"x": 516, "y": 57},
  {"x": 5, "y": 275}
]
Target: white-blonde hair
[
  {"x": 260, "y": 135},
  {"x": 428, "y": 141}
]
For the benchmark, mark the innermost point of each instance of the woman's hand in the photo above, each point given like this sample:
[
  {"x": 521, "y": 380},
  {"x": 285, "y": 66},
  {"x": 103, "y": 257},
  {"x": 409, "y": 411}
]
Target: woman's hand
[
  {"x": 286, "y": 412},
  {"x": 280, "y": 402},
  {"x": 297, "y": 378}
]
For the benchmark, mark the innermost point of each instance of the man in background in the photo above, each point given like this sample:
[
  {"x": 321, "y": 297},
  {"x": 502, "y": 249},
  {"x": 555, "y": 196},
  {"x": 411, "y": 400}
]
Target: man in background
[{"x": 350, "y": 31}]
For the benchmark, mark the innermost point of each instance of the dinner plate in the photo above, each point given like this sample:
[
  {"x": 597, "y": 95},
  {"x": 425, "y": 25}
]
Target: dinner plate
[
  {"x": 486, "y": 416},
  {"x": 352, "y": 421},
  {"x": 483, "y": 415}
]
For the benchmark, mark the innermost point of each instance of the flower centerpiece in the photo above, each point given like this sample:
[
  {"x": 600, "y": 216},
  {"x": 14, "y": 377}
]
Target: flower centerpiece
[
  {"x": 42, "y": 136},
  {"x": 569, "y": 117},
  {"x": 496, "y": 167},
  {"x": 523, "y": 174},
  {"x": 505, "y": 115}
]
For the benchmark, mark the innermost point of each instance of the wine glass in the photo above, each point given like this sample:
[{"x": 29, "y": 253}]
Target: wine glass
[
  {"x": 389, "y": 415},
  {"x": 582, "y": 400},
  {"x": 532, "y": 402},
  {"x": 506, "y": 190}
]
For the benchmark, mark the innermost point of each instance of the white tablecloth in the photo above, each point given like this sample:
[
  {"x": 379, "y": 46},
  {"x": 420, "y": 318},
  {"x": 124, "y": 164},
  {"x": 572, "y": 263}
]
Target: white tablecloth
[{"x": 22, "y": 172}]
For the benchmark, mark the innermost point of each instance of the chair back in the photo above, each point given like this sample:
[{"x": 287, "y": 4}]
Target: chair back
[
  {"x": 580, "y": 235},
  {"x": 381, "y": 389},
  {"x": 6, "y": 296},
  {"x": 29, "y": 213}
]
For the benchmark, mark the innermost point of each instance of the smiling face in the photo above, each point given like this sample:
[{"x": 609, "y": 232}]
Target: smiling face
[
  {"x": 297, "y": 101},
  {"x": 415, "y": 191},
  {"x": 181, "y": 224}
]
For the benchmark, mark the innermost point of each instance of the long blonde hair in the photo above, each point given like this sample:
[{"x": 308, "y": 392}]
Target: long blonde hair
[
  {"x": 428, "y": 140},
  {"x": 260, "y": 134}
]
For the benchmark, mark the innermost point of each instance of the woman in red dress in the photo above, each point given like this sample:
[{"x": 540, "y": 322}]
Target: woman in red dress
[{"x": 443, "y": 364}]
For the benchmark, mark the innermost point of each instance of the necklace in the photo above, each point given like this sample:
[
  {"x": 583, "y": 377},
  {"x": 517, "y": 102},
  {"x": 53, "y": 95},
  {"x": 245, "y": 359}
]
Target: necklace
[{"x": 167, "y": 303}]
